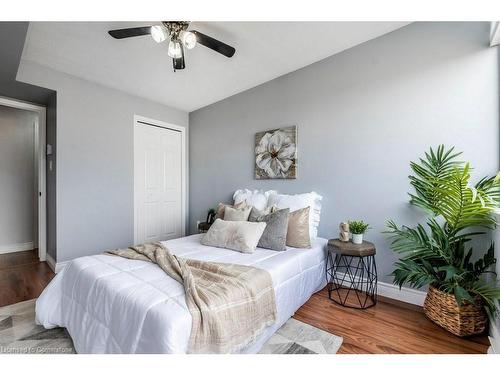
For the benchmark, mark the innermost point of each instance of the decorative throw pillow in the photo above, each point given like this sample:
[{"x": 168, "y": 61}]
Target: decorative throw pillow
[
  {"x": 274, "y": 236},
  {"x": 255, "y": 213},
  {"x": 298, "y": 201},
  {"x": 222, "y": 207},
  {"x": 236, "y": 214},
  {"x": 298, "y": 229},
  {"x": 242, "y": 236},
  {"x": 255, "y": 198}
]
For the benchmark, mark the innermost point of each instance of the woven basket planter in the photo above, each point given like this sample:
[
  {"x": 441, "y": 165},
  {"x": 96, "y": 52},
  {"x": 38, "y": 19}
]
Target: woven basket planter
[{"x": 465, "y": 320}]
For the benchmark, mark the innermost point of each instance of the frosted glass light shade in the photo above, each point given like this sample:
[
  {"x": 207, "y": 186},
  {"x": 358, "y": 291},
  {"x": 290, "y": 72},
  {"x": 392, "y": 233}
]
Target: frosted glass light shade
[
  {"x": 158, "y": 33},
  {"x": 174, "y": 49},
  {"x": 188, "y": 39}
]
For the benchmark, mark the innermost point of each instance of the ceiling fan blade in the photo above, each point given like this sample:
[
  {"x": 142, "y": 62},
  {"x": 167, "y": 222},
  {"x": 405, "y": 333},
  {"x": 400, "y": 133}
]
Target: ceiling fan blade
[
  {"x": 214, "y": 44},
  {"x": 131, "y": 32}
]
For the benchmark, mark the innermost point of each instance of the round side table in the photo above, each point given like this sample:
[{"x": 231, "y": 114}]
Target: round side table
[{"x": 351, "y": 274}]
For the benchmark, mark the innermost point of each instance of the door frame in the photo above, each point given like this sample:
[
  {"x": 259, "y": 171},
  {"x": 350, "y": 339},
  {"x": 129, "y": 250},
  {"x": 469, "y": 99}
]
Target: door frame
[
  {"x": 40, "y": 149},
  {"x": 184, "y": 189}
]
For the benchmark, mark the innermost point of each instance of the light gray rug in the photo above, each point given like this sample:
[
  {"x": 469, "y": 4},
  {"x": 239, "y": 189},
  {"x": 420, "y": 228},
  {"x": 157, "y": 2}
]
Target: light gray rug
[
  {"x": 19, "y": 334},
  {"x": 296, "y": 337}
]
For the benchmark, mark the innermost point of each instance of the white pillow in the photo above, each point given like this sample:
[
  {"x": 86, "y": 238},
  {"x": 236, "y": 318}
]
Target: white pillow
[
  {"x": 296, "y": 202},
  {"x": 255, "y": 198},
  {"x": 242, "y": 236}
]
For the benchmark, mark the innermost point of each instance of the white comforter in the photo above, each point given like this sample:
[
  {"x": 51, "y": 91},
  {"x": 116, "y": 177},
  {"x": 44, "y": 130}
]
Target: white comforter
[{"x": 117, "y": 305}]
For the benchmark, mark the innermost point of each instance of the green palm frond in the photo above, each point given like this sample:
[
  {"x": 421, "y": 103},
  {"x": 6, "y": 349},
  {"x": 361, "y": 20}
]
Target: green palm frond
[
  {"x": 437, "y": 253},
  {"x": 491, "y": 187},
  {"x": 463, "y": 206},
  {"x": 432, "y": 169},
  {"x": 489, "y": 292},
  {"x": 413, "y": 273},
  {"x": 417, "y": 244}
]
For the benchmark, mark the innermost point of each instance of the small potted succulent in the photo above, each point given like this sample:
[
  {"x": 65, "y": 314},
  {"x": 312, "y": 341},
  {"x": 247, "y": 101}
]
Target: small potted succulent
[{"x": 358, "y": 228}]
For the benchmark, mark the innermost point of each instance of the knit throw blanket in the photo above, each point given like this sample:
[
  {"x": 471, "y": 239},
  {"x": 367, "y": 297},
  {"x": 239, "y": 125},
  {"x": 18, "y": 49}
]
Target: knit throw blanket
[{"x": 230, "y": 304}]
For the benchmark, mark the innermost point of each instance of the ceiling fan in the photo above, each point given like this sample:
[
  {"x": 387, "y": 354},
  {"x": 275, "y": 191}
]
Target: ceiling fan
[{"x": 179, "y": 37}]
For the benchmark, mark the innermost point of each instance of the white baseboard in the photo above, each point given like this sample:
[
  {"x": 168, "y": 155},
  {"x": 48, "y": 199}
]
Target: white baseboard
[
  {"x": 56, "y": 267},
  {"x": 4, "y": 249},
  {"x": 494, "y": 339},
  {"x": 408, "y": 295},
  {"x": 60, "y": 266}
]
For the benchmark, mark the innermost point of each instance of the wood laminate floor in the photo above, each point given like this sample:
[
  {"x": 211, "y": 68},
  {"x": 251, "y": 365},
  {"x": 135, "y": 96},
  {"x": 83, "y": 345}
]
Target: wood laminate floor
[
  {"x": 22, "y": 276},
  {"x": 388, "y": 327}
]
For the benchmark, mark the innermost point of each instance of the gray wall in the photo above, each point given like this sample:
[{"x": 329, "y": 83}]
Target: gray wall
[
  {"x": 17, "y": 176},
  {"x": 12, "y": 36},
  {"x": 362, "y": 115},
  {"x": 95, "y": 202}
]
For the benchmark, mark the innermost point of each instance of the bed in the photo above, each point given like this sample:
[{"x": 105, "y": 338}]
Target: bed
[{"x": 115, "y": 305}]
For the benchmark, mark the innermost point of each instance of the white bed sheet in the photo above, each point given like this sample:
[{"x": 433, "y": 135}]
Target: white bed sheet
[{"x": 116, "y": 305}]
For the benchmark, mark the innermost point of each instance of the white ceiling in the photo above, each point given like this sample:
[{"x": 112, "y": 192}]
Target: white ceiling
[{"x": 139, "y": 66}]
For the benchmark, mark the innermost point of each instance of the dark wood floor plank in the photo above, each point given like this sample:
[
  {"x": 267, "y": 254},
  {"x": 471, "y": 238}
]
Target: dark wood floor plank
[
  {"x": 22, "y": 277},
  {"x": 18, "y": 258}
]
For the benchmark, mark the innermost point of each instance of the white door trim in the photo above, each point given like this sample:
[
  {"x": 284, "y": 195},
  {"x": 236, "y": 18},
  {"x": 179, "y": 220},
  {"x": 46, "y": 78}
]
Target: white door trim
[
  {"x": 40, "y": 127},
  {"x": 148, "y": 121}
]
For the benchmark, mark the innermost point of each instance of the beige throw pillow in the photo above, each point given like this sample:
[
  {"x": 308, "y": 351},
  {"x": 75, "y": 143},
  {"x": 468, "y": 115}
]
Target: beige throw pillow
[
  {"x": 221, "y": 208},
  {"x": 298, "y": 229},
  {"x": 236, "y": 214},
  {"x": 242, "y": 236}
]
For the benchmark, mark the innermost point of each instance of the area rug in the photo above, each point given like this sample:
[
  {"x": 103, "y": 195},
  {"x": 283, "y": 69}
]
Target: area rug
[
  {"x": 296, "y": 337},
  {"x": 20, "y": 335}
]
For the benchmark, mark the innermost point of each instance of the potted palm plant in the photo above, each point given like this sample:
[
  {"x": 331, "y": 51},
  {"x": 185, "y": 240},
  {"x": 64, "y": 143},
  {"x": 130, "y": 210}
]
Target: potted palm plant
[{"x": 440, "y": 253}]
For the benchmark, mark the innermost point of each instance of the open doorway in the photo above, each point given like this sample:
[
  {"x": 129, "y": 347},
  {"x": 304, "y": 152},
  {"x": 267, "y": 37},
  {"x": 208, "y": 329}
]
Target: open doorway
[{"x": 22, "y": 178}]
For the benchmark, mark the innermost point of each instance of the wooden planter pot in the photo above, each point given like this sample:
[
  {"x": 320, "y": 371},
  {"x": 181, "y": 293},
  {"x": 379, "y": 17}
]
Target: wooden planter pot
[{"x": 465, "y": 320}]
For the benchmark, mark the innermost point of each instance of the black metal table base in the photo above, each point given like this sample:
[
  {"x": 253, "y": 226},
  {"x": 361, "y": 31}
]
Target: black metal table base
[{"x": 354, "y": 276}]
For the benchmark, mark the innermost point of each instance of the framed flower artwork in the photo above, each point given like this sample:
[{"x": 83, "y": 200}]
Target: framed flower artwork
[{"x": 276, "y": 154}]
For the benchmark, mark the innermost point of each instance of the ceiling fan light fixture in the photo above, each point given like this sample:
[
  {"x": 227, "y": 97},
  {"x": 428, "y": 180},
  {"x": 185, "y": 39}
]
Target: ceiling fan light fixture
[
  {"x": 174, "y": 49},
  {"x": 158, "y": 33},
  {"x": 178, "y": 38},
  {"x": 179, "y": 62},
  {"x": 188, "y": 39}
]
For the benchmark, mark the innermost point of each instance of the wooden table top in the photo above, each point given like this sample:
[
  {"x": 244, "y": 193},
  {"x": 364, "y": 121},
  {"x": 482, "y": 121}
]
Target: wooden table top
[{"x": 348, "y": 248}]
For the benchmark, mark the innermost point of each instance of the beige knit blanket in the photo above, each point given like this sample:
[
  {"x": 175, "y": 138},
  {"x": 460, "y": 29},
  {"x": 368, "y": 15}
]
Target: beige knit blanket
[{"x": 230, "y": 304}]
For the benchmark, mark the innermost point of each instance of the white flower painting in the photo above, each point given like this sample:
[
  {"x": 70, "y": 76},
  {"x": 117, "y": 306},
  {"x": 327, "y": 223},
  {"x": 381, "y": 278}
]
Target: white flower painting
[{"x": 276, "y": 153}]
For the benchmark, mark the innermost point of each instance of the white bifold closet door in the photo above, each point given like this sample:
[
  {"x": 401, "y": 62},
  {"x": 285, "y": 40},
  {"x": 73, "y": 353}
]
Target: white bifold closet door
[{"x": 158, "y": 183}]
